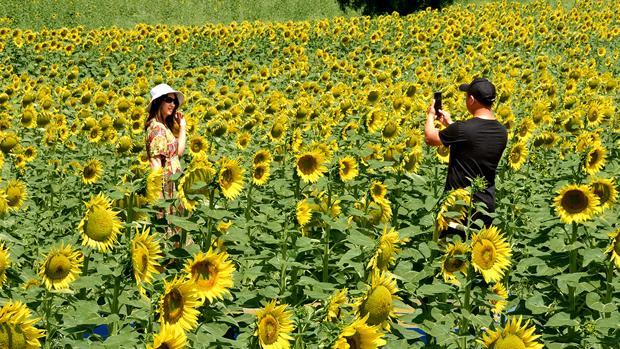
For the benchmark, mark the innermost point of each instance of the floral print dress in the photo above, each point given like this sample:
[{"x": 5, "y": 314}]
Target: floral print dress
[{"x": 161, "y": 142}]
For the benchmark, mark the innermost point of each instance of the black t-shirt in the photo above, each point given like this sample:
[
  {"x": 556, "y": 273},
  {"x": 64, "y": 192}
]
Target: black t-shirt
[{"x": 476, "y": 146}]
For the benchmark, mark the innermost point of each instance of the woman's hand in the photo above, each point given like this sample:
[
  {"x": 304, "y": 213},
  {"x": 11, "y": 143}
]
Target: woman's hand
[{"x": 181, "y": 119}]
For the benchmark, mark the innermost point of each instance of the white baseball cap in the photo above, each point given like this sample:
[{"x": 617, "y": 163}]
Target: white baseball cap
[{"x": 162, "y": 90}]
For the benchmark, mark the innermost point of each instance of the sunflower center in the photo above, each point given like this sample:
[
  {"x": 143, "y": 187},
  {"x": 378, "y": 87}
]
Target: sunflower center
[
  {"x": 99, "y": 224},
  {"x": 453, "y": 264},
  {"x": 268, "y": 329},
  {"x": 196, "y": 146},
  {"x": 602, "y": 191},
  {"x": 345, "y": 168},
  {"x": 259, "y": 172},
  {"x": 58, "y": 267},
  {"x": 227, "y": 177},
  {"x": 13, "y": 196},
  {"x": 515, "y": 155},
  {"x": 377, "y": 191},
  {"x": 378, "y": 305},
  {"x": 164, "y": 346},
  {"x": 574, "y": 201},
  {"x": 355, "y": 341},
  {"x": 173, "y": 304},
  {"x": 307, "y": 164},
  {"x": 205, "y": 273},
  {"x": 141, "y": 260},
  {"x": 260, "y": 157},
  {"x": 484, "y": 254},
  {"x": 617, "y": 245},
  {"x": 593, "y": 158},
  {"x": 509, "y": 342},
  {"x": 89, "y": 172},
  {"x": 12, "y": 337},
  {"x": 276, "y": 131}
]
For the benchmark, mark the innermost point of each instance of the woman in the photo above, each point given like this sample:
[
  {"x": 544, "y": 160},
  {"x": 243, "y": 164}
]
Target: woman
[{"x": 162, "y": 147}]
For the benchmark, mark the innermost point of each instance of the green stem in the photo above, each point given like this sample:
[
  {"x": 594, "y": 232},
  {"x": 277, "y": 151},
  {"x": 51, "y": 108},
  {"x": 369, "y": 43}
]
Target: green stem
[
  {"x": 464, "y": 325},
  {"x": 207, "y": 240},
  {"x": 48, "y": 314},
  {"x": 610, "y": 275},
  {"x": 572, "y": 269},
  {"x": 326, "y": 255}
]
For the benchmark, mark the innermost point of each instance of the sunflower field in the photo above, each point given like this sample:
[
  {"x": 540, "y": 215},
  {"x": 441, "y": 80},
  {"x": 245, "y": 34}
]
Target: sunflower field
[{"x": 312, "y": 204}]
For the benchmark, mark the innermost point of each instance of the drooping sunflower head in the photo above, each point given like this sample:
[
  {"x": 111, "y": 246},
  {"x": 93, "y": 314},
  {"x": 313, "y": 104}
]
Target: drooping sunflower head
[
  {"x": 100, "y": 225},
  {"x": 378, "y": 190},
  {"x": 230, "y": 178},
  {"x": 5, "y": 262},
  {"x": 303, "y": 212},
  {"x": 411, "y": 161},
  {"x": 454, "y": 261},
  {"x": 386, "y": 251},
  {"x": 15, "y": 194},
  {"x": 380, "y": 211},
  {"x": 17, "y": 327},
  {"x": 454, "y": 208},
  {"x": 260, "y": 174},
  {"x": 515, "y": 334},
  {"x": 177, "y": 306},
  {"x": 310, "y": 166},
  {"x": 211, "y": 274},
  {"x": 145, "y": 255},
  {"x": 605, "y": 190},
  {"x": 498, "y": 304},
  {"x": 335, "y": 304},
  {"x": 169, "y": 337},
  {"x": 377, "y": 302},
  {"x": 91, "y": 171},
  {"x": 360, "y": 335},
  {"x": 273, "y": 326},
  {"x": 575, "y": 203},
  {"x": 193, "y": 186},
  {"x": 347, "y": 168},
  {"x": 595, "y": 159},
  {"x": 490, "y": 254},
  {"x": 61, "y": 266}
]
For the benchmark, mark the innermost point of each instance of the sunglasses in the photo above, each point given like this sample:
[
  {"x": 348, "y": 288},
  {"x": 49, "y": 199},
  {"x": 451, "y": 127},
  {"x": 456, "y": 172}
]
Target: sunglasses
[{"x": 169, "y": 99}]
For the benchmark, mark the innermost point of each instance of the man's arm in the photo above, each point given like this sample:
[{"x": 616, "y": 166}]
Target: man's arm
[{"x": 431, "y": 133}]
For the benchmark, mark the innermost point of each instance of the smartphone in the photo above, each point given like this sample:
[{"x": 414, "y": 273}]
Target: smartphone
[{"x": 437, "y": 98}]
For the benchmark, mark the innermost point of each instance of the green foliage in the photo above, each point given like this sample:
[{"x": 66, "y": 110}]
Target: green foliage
[{"x": 403, "y": 7}]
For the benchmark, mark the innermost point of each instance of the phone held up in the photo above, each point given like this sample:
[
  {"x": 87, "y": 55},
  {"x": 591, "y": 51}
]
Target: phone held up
[{"x": 437, "y": 98}]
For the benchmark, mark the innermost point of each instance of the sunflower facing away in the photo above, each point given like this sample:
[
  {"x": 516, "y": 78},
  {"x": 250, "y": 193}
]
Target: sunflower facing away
[
  {"x": 211, "y": 274},
  {"x": 336, "y": 302},
  {"x": 515, "y": 334},
  {"x": 145, "y": 255},
  {"x": 310, "y": 166},
  {"x": 15, "y": 194},
  {"x": 100, "y": 226},
  {"x": 230, "y": 178},
  {"x": 380, "y": 211},
  {"x": 454, "y": 261},
  {"x": 387, "y": 249},
  {"x": 614, "y": 247},
  {"x": 359, "y": 335},
  {"x": 5, "y": 263},
  {"x": 273, "y": 326},
  {"x": 453, "y": 209},
  {"x": 61, "y": 266},
  {"x": 490, "y": 254},
  {"x": 575, "y": 203},
  {"x": 303, "y": 212},
  {"x": 605, "y": 190},
  {"x": 154, "y": 185},
  {"x": 377, "y": 302},
  {"x": 91, "y": 171},
  {"x": 17, "y": 327},
  {"x": 347, "y": 168},
  {"x": 193, "y": 184},
  {"x": 177, "y": 306},
  {"x": 498, "y": 305},
  {"x": 169, "y": 337}
]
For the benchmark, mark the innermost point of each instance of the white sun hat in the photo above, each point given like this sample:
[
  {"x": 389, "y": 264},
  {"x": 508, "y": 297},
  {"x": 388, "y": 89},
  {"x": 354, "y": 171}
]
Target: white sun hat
[{"x": 162, "y": 90}]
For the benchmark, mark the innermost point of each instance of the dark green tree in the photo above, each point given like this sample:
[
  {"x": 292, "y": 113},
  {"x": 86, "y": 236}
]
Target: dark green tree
[{"x": 403, "y": 7}]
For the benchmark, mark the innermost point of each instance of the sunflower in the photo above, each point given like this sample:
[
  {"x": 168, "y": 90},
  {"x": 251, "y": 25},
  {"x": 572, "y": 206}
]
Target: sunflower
[
  {"x": 211, "y": 274},
  {"x": 443, "y": 154},
  {"x": 61, "y": 266},
  {"x": 614, "y": 247},
  {"x": 490, "y": 253},
  {"x": 605, "y": 190},
  {"x": 154, "y": 185},
  {"x": 17, "y": 327},
  {"x": 386, "y": 251},
  {"x": 177, "y": 306},
  {"x": 390, "y": 130},
  {"x": 498, "y": 305},
  {"x": 5, "y": 263},
  {"x": 575, "y": 203},
  {"x": 91, "y": 171},
  {"x": 193, "y": 184},
  {"x": 260, "y": 174},
  {"x": 4, "y": 204},
  {"x": 374, "y": 120},
  {"x": 310, "y": 166},
  {"x": 169, "y": 337},
  {"x": 347, "y": 168},
  {"x": 198, "y": 145},
  {"x": 454, "y": 261},
  {"x": 335, "y": 304},
  {"x": 454, "y": 208},
  {"x": 378, "y": 190},
  {"x": 100, "y": 226},
  {"x": 517, "y": 155},
  {"x": 273, "y": 326},
  {"x": 360, "y": 335},
  {"x": 377, "y": 302},
  {"x": 380, "y": 211},
  {"x": 15, "y": 194},
  {"x": 145, "y": 255},
  {"x": 595, "y": 159},
  {"x": 261, "y": 156},
  {"x": 513, "y": 335},
  {"x": 243, "y": 140},
  {"x": 303, "y": 212},
  {"x": 411, "y": 161},
  {"x": 230, "y": 178}
]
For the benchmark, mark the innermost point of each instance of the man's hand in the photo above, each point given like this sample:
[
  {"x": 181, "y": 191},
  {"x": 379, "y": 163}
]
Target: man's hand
[{"x": 444, "y": 116}]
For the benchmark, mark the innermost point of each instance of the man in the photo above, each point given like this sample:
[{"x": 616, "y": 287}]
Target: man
[{"x": 476, "y": 145}]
